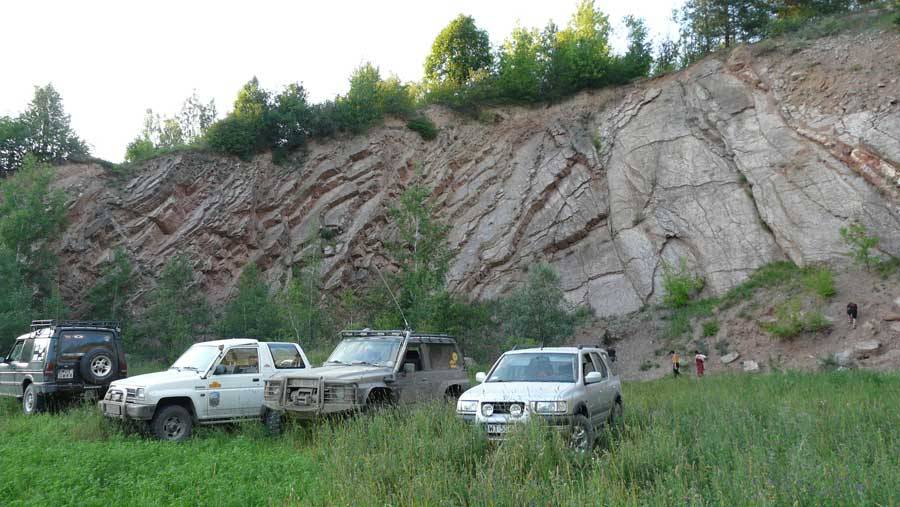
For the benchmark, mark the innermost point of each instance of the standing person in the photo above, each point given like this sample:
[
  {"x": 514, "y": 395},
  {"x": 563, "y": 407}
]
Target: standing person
[
  {"x": 676, "y": 364},
  {"x": 700, "y": 361},
  {"x": 852, "y": 312}
]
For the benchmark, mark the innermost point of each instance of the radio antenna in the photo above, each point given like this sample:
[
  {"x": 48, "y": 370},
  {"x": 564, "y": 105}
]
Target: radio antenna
[{"x": 388, "y": 287}]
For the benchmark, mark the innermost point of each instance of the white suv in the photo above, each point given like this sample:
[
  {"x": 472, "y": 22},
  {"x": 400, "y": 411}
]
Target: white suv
[
  {"x": 212, "y": 382},
  {"x": 574, "y": 389}
]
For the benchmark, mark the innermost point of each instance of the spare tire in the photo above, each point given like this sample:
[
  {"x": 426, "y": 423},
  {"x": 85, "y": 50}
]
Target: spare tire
[{"x": 98, "y": 366}]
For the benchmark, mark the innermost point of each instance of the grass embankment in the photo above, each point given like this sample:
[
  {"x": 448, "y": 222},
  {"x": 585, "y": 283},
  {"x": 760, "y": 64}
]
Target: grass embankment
[{"x": 814, "y": 439}]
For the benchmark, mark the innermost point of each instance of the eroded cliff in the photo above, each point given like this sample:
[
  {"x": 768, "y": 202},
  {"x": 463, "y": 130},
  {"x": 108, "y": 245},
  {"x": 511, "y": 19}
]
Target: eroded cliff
[{"x": 756, "y": 155}]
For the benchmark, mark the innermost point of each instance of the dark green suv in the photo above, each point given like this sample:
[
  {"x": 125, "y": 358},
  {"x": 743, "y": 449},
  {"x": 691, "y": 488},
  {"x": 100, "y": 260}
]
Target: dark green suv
[{"x": 62, "y": 360}]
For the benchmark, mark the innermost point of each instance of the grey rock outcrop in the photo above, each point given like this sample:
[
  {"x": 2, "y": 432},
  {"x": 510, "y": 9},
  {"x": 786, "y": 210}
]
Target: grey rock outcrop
[{"x": 728, "y": 165}]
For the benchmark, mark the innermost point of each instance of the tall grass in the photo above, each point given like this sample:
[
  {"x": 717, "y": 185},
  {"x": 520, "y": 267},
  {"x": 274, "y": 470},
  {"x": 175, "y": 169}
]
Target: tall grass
[{"x": 785, "y": 439}]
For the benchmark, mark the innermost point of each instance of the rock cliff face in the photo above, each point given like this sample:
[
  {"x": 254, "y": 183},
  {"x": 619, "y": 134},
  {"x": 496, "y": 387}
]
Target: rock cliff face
[{"x": 745, "y": 158}]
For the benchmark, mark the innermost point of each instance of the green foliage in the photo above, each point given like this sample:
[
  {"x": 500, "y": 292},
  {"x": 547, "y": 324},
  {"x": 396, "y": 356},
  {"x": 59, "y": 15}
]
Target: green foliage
[
  {"x": 43, "y": 130},
  {"x": 459, "y": 51},
  {"x": 791, "y": 320},
  {"x": 680, "y": 285},
  {"x": 15, "y": 300},
  {"x": 163, "y": 134},
  {"x": 109, "y": 295},
  {"x": 234, "y": 135},
  {"x": 420, "y": 251},
  {"x": 178, "y": 311},
  {"x": 537, "y": 311},
  {"x": 820, "y": 281},
  {"x": 522, "y": 67},
  {"x": 30, "y": 214},
  {"x": 856, "y": 236},
  {"x": 424, "y": 126},
  {"x": 361, "y": 104},
  {"x": 302, "y": 307},
  {"x": 798, "y": 440},
  {"x": 252, "y": 312},
  {"x": 710, "y": 328},
  {"x": 139, "y": 150}
]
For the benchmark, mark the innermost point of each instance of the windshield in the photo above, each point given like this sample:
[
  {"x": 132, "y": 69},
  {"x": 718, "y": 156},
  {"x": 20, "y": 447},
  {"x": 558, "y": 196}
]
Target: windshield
[
  {"x": 378, "y": 352},
  {"x": 198, "y": 357},
  {"x": 535, "y": 367}
]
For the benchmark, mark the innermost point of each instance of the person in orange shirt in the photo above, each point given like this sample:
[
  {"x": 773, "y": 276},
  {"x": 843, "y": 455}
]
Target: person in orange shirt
[{"x": 676, "y": 364}]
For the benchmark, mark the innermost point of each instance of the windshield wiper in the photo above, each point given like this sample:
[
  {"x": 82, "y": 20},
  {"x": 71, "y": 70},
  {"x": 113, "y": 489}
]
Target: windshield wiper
[
  {"x": 338, "y": 362},
  {"x": 365, "y": 363}
]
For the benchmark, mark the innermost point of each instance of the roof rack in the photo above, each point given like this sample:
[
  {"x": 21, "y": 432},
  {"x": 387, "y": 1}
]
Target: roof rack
[{"x": 108, "y": 324}]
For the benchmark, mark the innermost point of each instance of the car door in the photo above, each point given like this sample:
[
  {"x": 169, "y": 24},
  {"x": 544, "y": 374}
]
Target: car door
[
  {"x": 22, "y": 366},
  {"x": 8, "y": 367},
  {"x": 413, "y": 386},
  {"x": 235, "y": 384},
  {"x": 606, "y": 389},
  {"x": 594, "y": 390},
  {"x": 444, "y": 368}
]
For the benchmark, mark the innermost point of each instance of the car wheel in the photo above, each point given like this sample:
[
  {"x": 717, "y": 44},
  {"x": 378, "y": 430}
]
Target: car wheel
[
  {"x": 581, "y": 439},
  {"x": 98, "y": 366},
  {"x": 32, "y": 401},
  {"x": 274, "y": 421},
  {"x": 172, "y": 423},
  {"x": 616, "y": 414}
]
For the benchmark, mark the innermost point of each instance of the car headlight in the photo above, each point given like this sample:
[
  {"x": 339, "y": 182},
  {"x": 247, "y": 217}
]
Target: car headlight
[
  {"x": 466, "y": 406},
  {"x": 515, "y": 410},
  {"x": 487, "y": 410},
  {"x": 140, "y": 393},
  {"x": 550, "y": 407}
]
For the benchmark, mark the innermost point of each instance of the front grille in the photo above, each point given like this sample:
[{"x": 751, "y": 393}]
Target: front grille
[
  {"x": 303, "y": 396},
  {"x": 502, "y": 407},
  {"x": 340, "y": 394}
]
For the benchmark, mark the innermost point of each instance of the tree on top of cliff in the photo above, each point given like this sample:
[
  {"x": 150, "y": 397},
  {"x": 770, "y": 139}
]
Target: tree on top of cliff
[
  {"x": 459, "y": 50},
  {"x": 43, "y": 130}
]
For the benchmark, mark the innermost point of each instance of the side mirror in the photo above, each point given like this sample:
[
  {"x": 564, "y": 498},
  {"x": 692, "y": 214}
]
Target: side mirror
[
  {"x": 480, "y": 377},
  {"x": 592, "y": 377},
  {"x": 220, "y": 370},
  {"x": 612, "y": 354},
  {"x": 409, "y": 368}
]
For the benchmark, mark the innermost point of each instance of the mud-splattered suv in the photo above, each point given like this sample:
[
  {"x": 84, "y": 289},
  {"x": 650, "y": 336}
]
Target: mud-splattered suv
[
  {"x": 573, "y": 389},
  {"x": 369, "y": 368},
  {"x": 61, "y": 360}
]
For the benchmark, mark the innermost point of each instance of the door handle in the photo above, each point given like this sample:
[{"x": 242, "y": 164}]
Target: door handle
[
  {"x": 256, "y": 380},
  {"x": 424, "y": 380}
]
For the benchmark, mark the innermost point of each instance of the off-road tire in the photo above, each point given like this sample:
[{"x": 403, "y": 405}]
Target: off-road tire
[
  {"x": 32, "y": 401},
  {"x": 172, "y": 423},
  {"x": 581, "y": 439},
  {"x": 616, "y": 415},
  {"x": 98, "y": 366},
  {"x": 274, "y": 422}
]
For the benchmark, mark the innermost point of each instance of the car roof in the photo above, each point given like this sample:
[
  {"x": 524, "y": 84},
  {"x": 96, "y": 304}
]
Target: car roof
[
  {"x": 230, "y": 342},
  {"x": 414, "y": 336},
  {"x": 556, "y": 350}
]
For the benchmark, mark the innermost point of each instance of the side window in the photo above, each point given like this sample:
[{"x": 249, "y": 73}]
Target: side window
[
  {"x": 40, "y": 349},
  {"x": 443, "y": 356},
  {"x": 16, "y": 353},
  {"x": 414, "y": 355},
  {"x": 238, "y": 361},
  {"x": 27, "y": 350},
  {"x": 587, "y": 365},
  {"x": 600, "y": 364},
  {"x": 286, "y": 356}
]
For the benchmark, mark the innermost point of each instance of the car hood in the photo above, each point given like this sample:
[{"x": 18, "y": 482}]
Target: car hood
[
  {"x": 341, "y": 372},
  {"x": 157, "y": 379},
  {"x": 519, "y": 391}
]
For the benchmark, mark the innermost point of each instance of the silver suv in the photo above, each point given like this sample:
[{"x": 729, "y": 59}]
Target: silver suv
[
  {"x": 369, "y": 368},
  {"x": 573, "y": 389}
]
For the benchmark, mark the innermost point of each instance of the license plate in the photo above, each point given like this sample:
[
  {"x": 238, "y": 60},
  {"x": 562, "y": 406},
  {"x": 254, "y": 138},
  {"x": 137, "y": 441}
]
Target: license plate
[
  {"x": 497, "y": 428},
  {"x": 112, "y": 409},
  {"x": 66, "y": 374}
]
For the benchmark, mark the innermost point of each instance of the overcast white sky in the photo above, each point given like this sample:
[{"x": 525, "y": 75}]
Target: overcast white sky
[{"x": 110, "y": 60}]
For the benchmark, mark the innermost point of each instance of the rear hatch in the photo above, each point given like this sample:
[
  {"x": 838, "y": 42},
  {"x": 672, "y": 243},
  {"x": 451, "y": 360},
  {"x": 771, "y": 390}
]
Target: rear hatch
[{"x": 73, "y": 345}]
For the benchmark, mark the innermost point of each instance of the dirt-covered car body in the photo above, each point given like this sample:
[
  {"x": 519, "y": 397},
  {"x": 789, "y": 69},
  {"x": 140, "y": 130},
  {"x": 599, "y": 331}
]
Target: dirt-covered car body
[{"x": 368, "y": 368}]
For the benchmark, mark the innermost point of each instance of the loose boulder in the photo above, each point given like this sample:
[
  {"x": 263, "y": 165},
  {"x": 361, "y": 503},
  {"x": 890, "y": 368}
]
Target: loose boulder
[
  {"x": 729, "y": 358},
  {"x": 750, "y": 366}
]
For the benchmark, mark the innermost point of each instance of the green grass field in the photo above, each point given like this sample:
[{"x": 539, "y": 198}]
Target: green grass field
[{"x": 781, "y": 439}]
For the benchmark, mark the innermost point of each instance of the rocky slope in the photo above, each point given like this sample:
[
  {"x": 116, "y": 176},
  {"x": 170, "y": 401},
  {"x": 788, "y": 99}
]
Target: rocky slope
[{"x": 747, "y": 157}]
